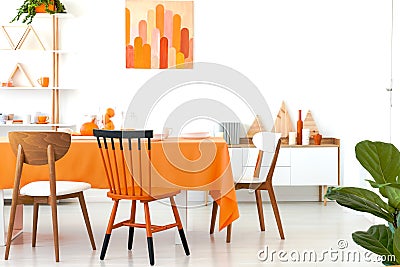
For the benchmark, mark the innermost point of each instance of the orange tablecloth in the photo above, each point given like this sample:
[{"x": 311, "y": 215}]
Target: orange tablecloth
[{"x": 205, "y": 165}]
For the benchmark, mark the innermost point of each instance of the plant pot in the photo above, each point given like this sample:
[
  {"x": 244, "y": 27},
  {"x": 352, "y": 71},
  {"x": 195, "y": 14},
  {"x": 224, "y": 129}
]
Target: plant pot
[{"x": 42, "y": 8}]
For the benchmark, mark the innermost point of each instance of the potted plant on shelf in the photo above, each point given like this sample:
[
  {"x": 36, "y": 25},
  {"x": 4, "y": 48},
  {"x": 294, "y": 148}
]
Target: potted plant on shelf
[
  {"x": 31, "y": 7},
  {"x": 382, "y": 161}
]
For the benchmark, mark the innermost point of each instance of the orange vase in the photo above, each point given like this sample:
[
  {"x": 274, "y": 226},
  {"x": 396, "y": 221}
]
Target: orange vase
[
  {"x": 299, "y": 130},
  {"x": 42, "y": 8}
]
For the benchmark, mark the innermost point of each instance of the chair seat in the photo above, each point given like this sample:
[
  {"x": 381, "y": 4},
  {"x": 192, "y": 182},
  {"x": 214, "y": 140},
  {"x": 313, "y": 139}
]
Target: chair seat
[
  {"x": 42, "y": 188},
  {"x": 250, "y": 180}
]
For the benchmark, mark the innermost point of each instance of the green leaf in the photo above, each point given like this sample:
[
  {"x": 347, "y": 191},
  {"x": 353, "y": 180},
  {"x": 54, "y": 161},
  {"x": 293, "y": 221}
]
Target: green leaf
[
  {"x": 396, "y": 245},
  {"x": 376, "y": 185},
  {"x": 362, "y": 200},
  {"x": 378, "y": 239},
  {"x": 381, "y": 160},
  {"x": 393, "y": 195}
]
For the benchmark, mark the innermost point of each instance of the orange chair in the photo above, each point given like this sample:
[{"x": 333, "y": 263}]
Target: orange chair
[
  {"x": 268, "y": 145},
  {"x": 41, "y": 148},
  {"x": 126, "y": 157}
]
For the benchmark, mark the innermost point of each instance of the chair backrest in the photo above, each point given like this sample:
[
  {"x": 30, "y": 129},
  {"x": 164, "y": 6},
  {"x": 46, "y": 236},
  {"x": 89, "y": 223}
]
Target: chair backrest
[
  {"x": 36, "y": 145},
  {"x": 126, "y": 155},
  {"x": 268, "y": 144}
]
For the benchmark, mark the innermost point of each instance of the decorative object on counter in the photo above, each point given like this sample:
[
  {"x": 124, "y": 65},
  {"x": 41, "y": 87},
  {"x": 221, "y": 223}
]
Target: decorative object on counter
[
  {"x": 317, "y": 139},
  {"x": 108, "y": 123},
  {"x": 231, "y": 132},
  {"x": 10, "y": 117},
  {"x": 87, "y": 127},
  {"x": 299, "y": 130},
  {"x": 255, "y": 127},
  {"x": 309, "y": 123},
  {"x": 43, "y": 81},
  {"x": 292, "y": 138},
  {"x": 30, "y": 7},
  {"x": 305, "y": 137},
  {"x": 42, "y": 119},
  {"x": 27, "y": 119},
  {"x": 283, "y": 123},
  {"x": 8, "y": 83},
  {"x": 18, "y": 67}
]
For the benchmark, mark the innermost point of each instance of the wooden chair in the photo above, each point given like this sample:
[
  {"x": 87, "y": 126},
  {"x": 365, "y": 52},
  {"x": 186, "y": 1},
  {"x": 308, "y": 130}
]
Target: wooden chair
[
  {"x": 43, "y": 148},
  {"x": 126, "y": 158},
  {"x": 268, "y": 145}
]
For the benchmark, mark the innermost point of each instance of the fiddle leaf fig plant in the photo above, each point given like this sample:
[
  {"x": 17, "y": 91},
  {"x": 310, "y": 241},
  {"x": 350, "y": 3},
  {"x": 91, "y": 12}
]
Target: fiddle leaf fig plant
[
  {"x": 28, "y": 8},
  {"x": 382, "y": 161}
]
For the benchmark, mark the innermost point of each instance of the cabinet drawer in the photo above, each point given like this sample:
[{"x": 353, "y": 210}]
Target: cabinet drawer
[
  {"x": 314, "y": 166},
  {"x": 235, "y": 155},
  {"x": 250, "y": 157},
  {"x": 281, "y": 175}
]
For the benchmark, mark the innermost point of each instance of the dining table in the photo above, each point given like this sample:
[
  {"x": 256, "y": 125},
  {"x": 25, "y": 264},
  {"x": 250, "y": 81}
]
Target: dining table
[{"x": 199, "y": 164}]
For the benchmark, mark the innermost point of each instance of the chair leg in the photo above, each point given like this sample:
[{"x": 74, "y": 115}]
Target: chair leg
[
  {"x": 86, "y": 218},
  {"x": 35, "y": 223},
  {"x": 132, "y": 229},
  {"x": 276, "y": 211},
  {"x": 180, "y": 228},
  {"x": 10, "y": 227},
  {"x": 260, "y": 210},
  {"x": 53, "y": 204},
  {"x": 228, "y": 233},
  {"x": 213, "y": 216},
  {"x": 109, "y": 229},
  {"x": 149, "y": 233}
]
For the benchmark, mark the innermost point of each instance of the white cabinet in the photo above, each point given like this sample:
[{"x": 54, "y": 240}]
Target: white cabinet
[
  {"x": 314, "y": 165},
  {"x": 296, "y": 165},
  {"x": 249, "y": 159}
]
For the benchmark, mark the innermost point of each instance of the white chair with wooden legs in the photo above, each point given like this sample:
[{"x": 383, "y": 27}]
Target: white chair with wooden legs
[
  {"x": 268, "y": 145},
  {"x": 43, "y": 148}
]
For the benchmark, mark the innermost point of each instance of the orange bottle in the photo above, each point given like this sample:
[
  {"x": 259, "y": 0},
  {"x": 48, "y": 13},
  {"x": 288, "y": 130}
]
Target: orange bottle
[{"x": 299, "y": 130}]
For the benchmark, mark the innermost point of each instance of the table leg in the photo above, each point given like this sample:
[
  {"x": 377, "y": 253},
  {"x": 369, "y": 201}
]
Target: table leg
[
  {"x": 181, "y": 202},
  {"x": 320, "y": 193},
  {"x": 2, "y": 219},
  {"x": 18, "y": 224}
]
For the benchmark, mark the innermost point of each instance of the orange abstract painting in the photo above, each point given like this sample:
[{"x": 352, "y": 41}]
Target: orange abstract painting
[{"x": 158, "y": 34}]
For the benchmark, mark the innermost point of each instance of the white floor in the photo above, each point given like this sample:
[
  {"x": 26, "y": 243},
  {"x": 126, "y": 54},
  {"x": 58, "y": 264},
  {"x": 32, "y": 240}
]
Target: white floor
[{"x": 310, "y": 228}]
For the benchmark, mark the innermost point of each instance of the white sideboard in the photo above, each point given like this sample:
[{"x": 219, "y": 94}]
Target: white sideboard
[{"x": 308, "y": 165}]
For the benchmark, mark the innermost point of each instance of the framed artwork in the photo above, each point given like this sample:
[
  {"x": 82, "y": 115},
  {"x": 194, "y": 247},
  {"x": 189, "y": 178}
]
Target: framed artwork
[{"x": 158, "y": 34}]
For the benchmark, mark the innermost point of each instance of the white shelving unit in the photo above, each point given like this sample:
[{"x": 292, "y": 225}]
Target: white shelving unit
[{"x": 52, "y": 53}]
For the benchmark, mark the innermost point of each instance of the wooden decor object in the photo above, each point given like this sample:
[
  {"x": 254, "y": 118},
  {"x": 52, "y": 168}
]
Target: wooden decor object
[
  {"x": 309, "y": 123},
  {"x": 21, "y": 69},
  {"x": 10, "y": 42},
  {"x": 26, "y": 33},
  {"x": 283, "y": 123},
  {"x": 255, "y": 127},
  {"x": 22, "y": 39}
]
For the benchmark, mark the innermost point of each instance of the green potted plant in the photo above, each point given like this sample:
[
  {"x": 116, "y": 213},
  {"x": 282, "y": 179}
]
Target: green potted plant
[
  {"x": 31, "y": 7},
  {"x": 382, "y": 161}
]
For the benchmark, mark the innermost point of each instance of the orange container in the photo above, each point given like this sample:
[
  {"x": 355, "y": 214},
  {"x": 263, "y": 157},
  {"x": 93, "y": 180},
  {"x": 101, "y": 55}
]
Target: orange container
[
  {"x": 42, "y": 8},
  {"x": 317, "y": 139}
]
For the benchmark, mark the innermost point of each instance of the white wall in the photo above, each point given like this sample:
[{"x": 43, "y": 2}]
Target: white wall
[{"x": 328, "y": 56}]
